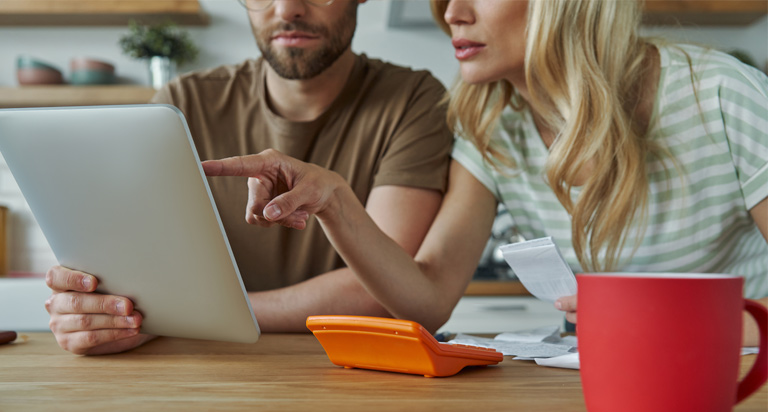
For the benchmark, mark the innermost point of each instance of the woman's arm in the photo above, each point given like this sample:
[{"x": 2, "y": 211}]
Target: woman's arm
[
  {"x": 750, "y": 335},
  {"x": 760, "y": 216},
  {"x": 424, "y": 289}
]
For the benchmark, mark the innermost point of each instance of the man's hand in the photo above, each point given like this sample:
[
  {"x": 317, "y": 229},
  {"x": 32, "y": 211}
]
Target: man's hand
[
  {"x": 88, "y": 323},
  {"x": 568, "y": 305},
  {"x": 281, "y": 189}
]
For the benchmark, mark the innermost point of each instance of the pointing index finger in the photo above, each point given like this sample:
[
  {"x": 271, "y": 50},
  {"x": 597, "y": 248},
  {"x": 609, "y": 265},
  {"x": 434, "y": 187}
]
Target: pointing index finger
[{"x": 248, "y": 166}]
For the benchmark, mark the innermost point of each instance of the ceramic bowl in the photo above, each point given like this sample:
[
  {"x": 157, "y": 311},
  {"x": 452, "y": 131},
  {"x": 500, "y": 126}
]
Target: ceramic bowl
[
  {"x": 85, "y": 63},
  {"x": 33, "y": 75},
  {"x": 88, "y": 77},
  {"x": 87, "y": 71},
  {"x": 29, "y": 62}
]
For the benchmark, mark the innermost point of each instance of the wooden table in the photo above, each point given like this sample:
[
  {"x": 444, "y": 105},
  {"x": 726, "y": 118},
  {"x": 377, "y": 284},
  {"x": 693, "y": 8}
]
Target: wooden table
[{"x": 282, "y": 372}]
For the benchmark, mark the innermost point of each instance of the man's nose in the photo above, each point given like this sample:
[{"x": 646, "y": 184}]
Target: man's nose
[{"x": 290, "y": 10}]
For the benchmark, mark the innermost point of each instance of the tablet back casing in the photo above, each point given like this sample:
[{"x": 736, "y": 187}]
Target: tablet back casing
[{"x": 119, "y": 192}]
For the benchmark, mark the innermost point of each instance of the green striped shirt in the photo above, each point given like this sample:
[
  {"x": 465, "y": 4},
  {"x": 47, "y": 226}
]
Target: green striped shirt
[{"x": 698, "y": 222}]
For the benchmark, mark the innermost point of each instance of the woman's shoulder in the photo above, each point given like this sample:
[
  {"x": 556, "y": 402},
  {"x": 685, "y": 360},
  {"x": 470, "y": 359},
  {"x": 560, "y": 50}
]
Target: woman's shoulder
[{"x": 711, "y": 66}]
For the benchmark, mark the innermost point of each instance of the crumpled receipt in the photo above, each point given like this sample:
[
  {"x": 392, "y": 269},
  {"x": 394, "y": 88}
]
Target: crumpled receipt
[
  {"x": 541, "y": 268},
  {"x": 528, "y": 344}
]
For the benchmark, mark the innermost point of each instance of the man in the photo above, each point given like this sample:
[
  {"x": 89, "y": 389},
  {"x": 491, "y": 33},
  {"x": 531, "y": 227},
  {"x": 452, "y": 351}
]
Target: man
[{"x": 379, "y": 126}]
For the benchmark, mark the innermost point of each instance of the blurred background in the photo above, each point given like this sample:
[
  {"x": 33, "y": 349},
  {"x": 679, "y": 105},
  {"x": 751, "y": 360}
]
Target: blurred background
[{"x": 72, "y": 35}]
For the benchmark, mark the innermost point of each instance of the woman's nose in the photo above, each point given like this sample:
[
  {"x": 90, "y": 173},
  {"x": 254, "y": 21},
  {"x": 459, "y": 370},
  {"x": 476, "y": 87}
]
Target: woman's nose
[{"x": 459, "y": 12}]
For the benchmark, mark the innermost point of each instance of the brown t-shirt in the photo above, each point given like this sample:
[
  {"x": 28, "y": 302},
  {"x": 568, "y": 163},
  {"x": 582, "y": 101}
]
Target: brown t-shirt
[{"x": 385, "y": 128}]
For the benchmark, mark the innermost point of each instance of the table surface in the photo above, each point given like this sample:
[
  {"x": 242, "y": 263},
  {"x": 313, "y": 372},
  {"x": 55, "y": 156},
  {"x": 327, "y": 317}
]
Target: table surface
[{"x": 279, "y": 372}]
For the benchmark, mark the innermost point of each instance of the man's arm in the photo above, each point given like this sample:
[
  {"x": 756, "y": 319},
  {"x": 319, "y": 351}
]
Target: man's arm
[{"x": 403, "y": 213}]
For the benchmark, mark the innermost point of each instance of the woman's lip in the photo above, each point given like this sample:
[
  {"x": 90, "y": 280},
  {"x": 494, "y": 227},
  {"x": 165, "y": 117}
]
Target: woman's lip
[
  {"x": 466, "y": 49},
  {"x": 457, "y": 43},
  {"x": 464, "y": 53}
]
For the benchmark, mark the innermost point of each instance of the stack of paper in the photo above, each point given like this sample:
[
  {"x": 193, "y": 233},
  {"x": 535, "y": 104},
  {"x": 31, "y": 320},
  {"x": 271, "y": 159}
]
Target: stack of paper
[{"x": 528, "y": 344}]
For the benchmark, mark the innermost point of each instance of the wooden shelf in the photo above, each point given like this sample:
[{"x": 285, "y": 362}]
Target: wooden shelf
[
  {"x": 495, "y": 288},
  {"x": 704, "y": 12},
  {"x": 99, "y": 12},
  {"x": 44, "y": 96}
]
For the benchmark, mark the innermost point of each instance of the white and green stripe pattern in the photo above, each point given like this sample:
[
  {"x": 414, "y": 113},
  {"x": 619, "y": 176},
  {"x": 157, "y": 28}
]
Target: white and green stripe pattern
[{"x": 698, "y": 221}]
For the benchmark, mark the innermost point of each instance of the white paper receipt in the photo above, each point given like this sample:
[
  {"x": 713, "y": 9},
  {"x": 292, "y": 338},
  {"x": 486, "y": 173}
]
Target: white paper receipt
[{"x": 541, "y": 268}]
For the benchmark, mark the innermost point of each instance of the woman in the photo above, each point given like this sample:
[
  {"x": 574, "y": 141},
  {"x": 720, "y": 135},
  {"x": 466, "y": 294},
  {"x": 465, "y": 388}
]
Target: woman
[{"x": 635, "y": 156}]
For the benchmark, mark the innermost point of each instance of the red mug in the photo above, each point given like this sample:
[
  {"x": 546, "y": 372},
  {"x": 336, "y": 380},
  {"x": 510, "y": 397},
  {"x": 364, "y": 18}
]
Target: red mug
[{"x": 665, "y": 342}]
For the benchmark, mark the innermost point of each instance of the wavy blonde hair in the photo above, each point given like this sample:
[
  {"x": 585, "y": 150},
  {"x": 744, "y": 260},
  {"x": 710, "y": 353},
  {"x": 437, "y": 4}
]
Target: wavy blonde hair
[{"x": 584, "y": 67}]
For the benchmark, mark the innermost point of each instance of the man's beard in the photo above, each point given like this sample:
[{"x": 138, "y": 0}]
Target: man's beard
[{"x": 295, "y": 63}]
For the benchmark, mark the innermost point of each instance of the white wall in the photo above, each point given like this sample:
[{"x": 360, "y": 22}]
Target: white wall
[{"x": 228, "y": 39}]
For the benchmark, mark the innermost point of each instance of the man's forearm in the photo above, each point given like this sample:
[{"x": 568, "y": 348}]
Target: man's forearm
[{"x": 334, "y": 293}]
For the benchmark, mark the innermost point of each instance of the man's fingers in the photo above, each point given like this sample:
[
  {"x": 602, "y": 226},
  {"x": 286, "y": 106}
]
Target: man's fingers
[
  {"x": 86, "y": 322},
  {"x": 77, "y": 303},
  {"x": 61, "y": 279},
  {"x": 81, "y": 342}
]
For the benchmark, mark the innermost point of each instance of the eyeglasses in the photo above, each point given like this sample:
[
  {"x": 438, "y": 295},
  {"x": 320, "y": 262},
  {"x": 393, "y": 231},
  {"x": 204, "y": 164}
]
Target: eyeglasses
[{"x": 261, "y": 5}]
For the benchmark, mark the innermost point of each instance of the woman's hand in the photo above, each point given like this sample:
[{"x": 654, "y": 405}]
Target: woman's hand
[
  {"x": 568, "y": 305},
  {"x": 281, "y": 189}
]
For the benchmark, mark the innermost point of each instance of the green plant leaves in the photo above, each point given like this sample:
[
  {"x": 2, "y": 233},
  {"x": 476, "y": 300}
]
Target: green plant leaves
[{"x": 164, "y": 39}]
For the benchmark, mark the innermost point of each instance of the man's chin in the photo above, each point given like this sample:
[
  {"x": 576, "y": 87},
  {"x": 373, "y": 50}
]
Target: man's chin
[{"x": 293, "y": 70}]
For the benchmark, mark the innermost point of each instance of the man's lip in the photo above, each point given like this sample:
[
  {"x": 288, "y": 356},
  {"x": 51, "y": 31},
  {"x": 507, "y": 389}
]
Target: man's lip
[{"x": 294, "y": 35}]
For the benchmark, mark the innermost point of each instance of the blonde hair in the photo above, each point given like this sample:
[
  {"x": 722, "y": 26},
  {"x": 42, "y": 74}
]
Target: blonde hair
[{"x": 583, "y": 67}]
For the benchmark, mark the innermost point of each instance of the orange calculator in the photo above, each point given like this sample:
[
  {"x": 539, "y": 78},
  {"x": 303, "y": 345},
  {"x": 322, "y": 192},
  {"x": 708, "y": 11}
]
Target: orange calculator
[{"x": 393, "y": 345}]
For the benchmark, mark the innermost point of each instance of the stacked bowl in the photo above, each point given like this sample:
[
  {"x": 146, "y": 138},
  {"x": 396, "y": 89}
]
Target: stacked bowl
[
  {"x": 87, "y": 71},
  {"x": 30, "y": 71}
]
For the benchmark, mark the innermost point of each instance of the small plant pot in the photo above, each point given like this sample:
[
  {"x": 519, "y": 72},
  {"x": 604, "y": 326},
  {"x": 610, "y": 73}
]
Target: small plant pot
[{"x": 161, "y": 71}]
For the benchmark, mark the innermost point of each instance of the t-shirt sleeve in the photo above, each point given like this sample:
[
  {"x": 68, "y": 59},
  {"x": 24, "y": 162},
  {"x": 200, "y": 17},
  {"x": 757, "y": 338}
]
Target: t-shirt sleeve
[
  {"x": 468, "y": 156},
  {"x": 163, "y": 96},
  {"x": 419, "y": 152},
  {"x": 744, "y": 106}
]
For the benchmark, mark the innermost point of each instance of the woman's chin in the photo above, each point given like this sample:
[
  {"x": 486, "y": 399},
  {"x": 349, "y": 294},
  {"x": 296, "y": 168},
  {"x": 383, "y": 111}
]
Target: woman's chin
[{"x": 475, "y": 78}]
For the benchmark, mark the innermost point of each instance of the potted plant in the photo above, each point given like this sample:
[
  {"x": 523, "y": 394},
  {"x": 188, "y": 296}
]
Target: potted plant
[{"x": 165, "y": 46}]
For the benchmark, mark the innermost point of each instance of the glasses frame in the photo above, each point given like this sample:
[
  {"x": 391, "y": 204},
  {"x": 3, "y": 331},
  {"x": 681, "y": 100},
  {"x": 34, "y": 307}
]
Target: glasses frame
[{"x": 320, "y": 3}]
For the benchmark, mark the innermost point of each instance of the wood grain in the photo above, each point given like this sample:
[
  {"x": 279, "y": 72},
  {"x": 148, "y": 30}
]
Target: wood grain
[
  {"x": 280, "y": 372},
  {"x": 704, "y": 12},
  {"x": 99, "y": 12},
  {"x": 42, "y": 96},
  {"x": 496, "y": 288}
]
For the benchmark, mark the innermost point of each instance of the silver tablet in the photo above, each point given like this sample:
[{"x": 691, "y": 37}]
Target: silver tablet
[{"x": 119, "y": 192}]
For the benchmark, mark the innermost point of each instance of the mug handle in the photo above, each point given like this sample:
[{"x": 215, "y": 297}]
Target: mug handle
[{"x": 759, "y": 372}]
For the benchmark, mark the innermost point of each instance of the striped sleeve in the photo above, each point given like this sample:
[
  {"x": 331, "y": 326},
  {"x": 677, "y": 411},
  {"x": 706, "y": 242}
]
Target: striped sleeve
[
  {"x": 468, "y": 156},
  {"x": 744, "y": 104}
]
